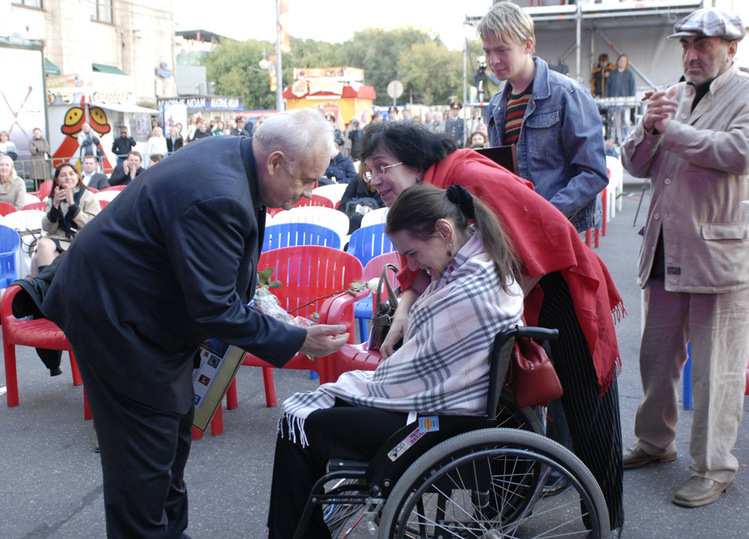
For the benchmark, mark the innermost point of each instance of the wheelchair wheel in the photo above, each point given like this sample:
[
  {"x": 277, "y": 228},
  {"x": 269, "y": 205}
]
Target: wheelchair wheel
[{"x": 488, "y": 484}]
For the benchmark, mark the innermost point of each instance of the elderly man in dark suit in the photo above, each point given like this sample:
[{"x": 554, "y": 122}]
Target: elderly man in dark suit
[{"x": 174, "y": 263}]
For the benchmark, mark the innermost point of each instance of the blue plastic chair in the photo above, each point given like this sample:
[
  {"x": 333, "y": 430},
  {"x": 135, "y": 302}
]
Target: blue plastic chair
[
  {"x": 364, "y": 308},
  {"x": 10, "y": 241},
  {"x": 365, "y": 244},
  {"x": 294, "y": 234},
  {"x": 687, "y": 376},
  {"x": 369, "y": 242}
]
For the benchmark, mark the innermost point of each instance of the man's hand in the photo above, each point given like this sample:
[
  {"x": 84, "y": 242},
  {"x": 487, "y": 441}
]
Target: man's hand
[
  {"x": 126, "y": 167},
  {"x": 660, "y": 109},
  {"x": 323, "y": 340}
]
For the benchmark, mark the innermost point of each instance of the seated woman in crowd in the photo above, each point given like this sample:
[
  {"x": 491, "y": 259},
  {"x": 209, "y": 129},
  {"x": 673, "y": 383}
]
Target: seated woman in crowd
[
  {"x": 69, "y": 207},
  {"x": 567, "y": 286},
  {"x": 12, "y": 188},
  {"x": 359, "y": 193},
  {"x": 458, "y": 242},
  {"x": 7, "y": 147}
]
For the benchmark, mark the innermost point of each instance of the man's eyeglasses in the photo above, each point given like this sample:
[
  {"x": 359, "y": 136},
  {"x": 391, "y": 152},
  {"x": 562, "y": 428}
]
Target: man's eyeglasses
[{"x": 378, "y": 171}]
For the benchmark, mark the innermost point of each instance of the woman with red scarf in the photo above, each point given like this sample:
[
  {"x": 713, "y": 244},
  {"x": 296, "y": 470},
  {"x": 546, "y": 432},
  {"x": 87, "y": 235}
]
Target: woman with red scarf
[{"x": 566, "y": 284}]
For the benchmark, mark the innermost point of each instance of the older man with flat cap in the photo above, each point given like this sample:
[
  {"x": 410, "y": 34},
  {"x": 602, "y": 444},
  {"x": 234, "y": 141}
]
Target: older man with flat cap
[{"x": 693, "y": 143}]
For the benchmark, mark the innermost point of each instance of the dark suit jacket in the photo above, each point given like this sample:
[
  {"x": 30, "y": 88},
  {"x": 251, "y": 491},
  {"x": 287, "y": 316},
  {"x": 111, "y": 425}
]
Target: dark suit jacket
[
  {"x": 173, "y": 146},
  {"x": 119, "y": 177},
  {"x": 99, "y": 181},
  {"x": 170, "y": 262}
]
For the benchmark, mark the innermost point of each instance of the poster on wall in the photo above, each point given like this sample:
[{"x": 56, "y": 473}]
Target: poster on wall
[
  {"x": 22, "y": 96},
  {"x": 175, "y": 115}
]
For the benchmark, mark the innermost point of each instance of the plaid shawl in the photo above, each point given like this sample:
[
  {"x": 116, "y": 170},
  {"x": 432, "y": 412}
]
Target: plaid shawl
[{"x": 443, "y": 365}]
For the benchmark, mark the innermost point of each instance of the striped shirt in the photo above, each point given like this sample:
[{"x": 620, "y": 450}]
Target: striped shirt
[{"x": 516, "y": 105}]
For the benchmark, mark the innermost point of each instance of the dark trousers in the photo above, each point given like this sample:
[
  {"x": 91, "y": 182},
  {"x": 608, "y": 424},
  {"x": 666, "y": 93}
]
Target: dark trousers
[
  {"x": 143, "y": 457},
  {"x": 594, "y": 422},
  {"x": 341, "y": 432}
]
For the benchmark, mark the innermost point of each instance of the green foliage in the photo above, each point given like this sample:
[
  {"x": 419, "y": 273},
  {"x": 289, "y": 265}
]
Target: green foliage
[{"x": 429, "y": 71}]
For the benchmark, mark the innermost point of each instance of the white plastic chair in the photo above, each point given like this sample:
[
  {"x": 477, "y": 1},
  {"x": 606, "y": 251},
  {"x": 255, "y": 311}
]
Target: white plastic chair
[
  {"x": 318, "y": 215},
  {"x": 616, "y": 185},
  {"x": 374, "y": 217},
  {"x": 333, "y": 192},
  {"x": 30, "y": 199},
  {"x": 106, "y": 195}
]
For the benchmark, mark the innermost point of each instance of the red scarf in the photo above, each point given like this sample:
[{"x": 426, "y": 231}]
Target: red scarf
[{"x": 545, "y": 242}]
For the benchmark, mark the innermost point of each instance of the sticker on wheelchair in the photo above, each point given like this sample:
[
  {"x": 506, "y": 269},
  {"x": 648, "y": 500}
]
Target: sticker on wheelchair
[{"x": 426, "y": 424}]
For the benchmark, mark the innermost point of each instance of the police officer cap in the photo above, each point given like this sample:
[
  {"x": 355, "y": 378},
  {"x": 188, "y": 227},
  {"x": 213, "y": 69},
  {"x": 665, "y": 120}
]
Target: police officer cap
[{"x": 710, "y": 22}]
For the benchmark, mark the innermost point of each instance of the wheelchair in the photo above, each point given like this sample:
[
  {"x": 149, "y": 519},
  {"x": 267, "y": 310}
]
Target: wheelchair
[{"x": 464, "y": 477}]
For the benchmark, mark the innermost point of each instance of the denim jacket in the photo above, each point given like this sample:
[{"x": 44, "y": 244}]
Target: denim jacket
[{"x": 561, "y": 146}]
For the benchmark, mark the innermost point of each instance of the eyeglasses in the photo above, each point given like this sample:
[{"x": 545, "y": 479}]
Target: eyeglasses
[{"x": 378, "y": 171}]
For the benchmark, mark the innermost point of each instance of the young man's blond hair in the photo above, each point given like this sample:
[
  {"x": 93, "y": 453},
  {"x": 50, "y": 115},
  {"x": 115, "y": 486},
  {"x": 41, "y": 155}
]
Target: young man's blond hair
[{"x": 509, "y": 24}]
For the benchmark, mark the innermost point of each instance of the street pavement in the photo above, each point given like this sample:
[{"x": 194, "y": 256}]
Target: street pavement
[{"x": 50, "y": 477}]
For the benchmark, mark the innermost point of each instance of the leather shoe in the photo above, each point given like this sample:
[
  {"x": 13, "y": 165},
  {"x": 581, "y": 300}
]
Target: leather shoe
[
  {"x": 699, "y": 491},
  {"x": 637, "y": 457}
]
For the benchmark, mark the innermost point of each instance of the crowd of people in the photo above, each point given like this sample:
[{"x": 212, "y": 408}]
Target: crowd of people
[{"x": 501, "y": 246}]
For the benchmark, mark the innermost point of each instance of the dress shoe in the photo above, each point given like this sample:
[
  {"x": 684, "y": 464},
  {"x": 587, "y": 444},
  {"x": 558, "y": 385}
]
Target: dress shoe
[
  {"x": 616, "y": 533},
  {"x": 636, "y": 457},
  {"x": 55, "y": 371},
  {"x": 556, "y": 484},
  {"x": 699, "y": 491}
]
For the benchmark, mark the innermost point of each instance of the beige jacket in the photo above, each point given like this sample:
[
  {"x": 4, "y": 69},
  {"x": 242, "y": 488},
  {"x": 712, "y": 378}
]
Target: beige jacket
[
  {"x": 698, "y": 169},
  {"x": 89, "y": 207}
]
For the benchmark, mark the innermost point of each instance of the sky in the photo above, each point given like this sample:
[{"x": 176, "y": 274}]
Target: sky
[{"x": 333, "y": 21}]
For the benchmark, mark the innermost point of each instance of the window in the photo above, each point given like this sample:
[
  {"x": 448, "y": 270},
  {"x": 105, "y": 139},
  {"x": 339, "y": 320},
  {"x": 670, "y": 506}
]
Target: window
[
  {"x": 28, "y": 3},
  {"x": 101, "y": 10}
]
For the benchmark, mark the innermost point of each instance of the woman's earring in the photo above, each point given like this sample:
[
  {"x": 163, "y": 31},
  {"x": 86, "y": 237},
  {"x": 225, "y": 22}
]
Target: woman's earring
[{"x": 449, "y": 250}]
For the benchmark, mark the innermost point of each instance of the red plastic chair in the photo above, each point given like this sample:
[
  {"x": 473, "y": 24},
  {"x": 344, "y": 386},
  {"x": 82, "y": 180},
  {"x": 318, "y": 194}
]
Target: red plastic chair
[
  {"x": 6, "y": 208},
  {"x": 35, "y": 206},
  {"x": 316, "y": 200},
  {"x": 40, "y": 333},
  {"x": 44, "y": 190},
  {"x": 310, "y": 274},
  {"x": 114, "y": 188},
  {"x": 103, "y": 202}
]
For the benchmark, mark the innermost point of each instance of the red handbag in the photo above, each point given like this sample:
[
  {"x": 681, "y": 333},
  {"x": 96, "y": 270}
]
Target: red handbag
[{"x": 531, "y": 376}]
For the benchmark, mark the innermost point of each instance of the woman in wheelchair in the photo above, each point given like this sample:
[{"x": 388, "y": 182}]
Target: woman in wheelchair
[{"x": 442, "y": 366}]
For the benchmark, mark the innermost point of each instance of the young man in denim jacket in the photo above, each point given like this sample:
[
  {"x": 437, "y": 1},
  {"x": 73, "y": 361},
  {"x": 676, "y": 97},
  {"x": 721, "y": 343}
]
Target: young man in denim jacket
[{"x": 551, "y": 118}]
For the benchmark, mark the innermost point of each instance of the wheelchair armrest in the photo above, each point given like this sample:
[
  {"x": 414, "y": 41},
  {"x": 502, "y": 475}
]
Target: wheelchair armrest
[{"x": 335, "y": 465}]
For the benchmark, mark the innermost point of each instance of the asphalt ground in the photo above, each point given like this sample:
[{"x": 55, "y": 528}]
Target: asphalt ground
[{"x": 50, "y": 477}]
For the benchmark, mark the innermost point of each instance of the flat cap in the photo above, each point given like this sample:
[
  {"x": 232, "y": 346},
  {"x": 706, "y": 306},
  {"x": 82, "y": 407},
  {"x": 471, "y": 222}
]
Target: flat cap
[{"x": 710, "y": 22}]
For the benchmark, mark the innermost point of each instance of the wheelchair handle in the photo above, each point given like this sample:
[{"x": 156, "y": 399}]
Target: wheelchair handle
[{"x": 544, "y": 334}]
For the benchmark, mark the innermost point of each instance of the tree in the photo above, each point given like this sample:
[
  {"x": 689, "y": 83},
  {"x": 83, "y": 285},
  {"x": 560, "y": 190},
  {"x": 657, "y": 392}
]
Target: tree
[
  {"x": 376, "y": 51},
  {"x": 233, "y": 66},
  {"x": 431, "y": 73}
]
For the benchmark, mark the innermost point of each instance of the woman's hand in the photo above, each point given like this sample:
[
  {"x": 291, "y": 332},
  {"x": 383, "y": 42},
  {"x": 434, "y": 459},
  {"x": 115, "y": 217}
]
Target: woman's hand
[
  {"x": 398, "y": 329},
  {"x": 58, "y": 197}
]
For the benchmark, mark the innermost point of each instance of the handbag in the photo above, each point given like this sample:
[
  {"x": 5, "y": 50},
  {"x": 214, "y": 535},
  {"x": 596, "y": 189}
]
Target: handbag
[
  {"x": 531, "y": 375},
  {"x": 384, "y": 311}
]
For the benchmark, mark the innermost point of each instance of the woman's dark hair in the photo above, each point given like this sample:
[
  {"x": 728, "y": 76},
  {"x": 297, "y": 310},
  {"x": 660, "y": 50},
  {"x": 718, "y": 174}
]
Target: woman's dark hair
[
  {"x": 418, "y": 209},
  {"x": 59, "y": 168},
  {"x": 413, "y": 145}
]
